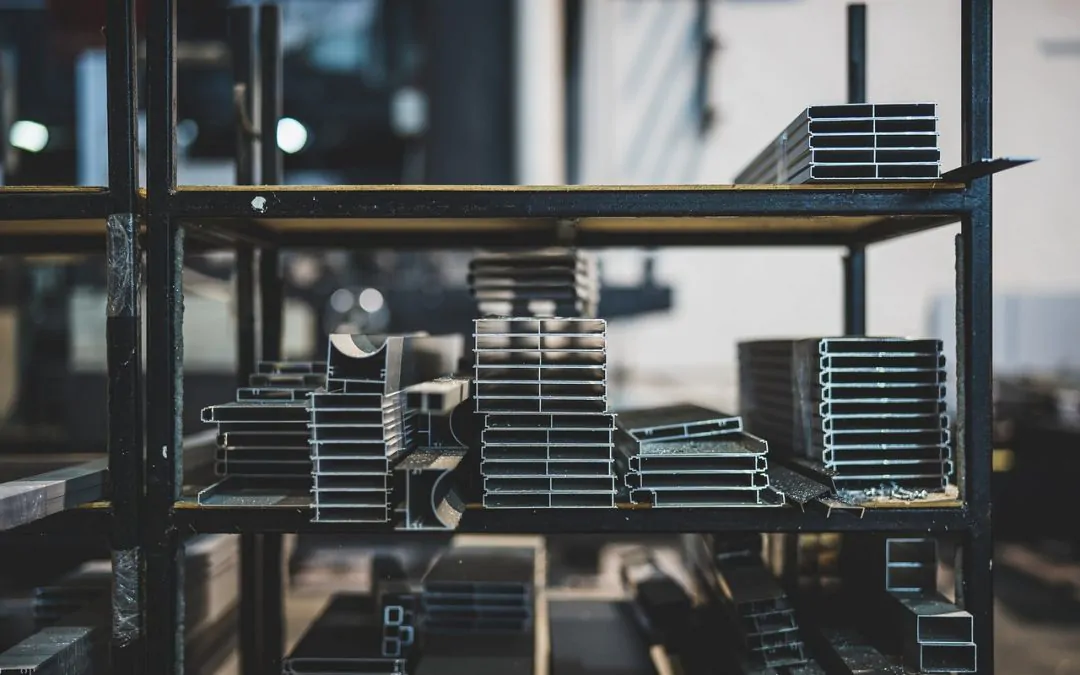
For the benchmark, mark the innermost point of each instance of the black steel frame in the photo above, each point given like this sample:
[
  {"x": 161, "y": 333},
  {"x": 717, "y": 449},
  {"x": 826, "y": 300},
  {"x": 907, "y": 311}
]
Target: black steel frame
[{"x": 147, "y": 519}]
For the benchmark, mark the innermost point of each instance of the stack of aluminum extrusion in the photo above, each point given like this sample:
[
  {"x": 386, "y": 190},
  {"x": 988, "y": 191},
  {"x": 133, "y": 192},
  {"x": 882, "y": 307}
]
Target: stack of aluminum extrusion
[
  {"x": 686, "y": 455},
  {"x": 263, "y": 434},
  {"x": 852, "y": 142},
  {"x": 541, "y": 385},
  {"x": 552, "y": 282},
  {"x": 871, "y": 410},
  {"x": 479, "y": 590},
  {"x": 361, "y": 424}
]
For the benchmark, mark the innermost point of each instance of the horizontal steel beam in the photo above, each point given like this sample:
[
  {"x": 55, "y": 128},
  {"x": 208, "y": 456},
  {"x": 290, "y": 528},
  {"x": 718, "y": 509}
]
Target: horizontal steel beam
[{"x": 231, "y": 519}]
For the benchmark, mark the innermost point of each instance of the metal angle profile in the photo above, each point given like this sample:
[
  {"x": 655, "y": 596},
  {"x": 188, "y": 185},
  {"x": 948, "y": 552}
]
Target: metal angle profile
[
  {"x": 552, "y": 282},
  {"x": 852, "y": 142}
]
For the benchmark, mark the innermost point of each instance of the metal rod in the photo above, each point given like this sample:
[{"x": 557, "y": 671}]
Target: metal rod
[
  {"x": 271, "y": 298},
  {"x": 855, "y": 260},
  {"x": 270, "y": 92},
  {"x": 124, "y": 338},
  {"x": 856, "y": 44},
  {"x": 165, "y": 345},
  {"x": 251, "y": 604},
  {"x": 855, "y": 291},
  {"x": 273, "y": 602},
  {"x": 976, "y": 320},
  {"x": 245, "y": 314},
  {"x": 242, "y": 46}
]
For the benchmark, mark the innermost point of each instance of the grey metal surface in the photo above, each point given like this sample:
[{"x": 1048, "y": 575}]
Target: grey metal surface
[
  {"x": 852, "y": 142},
  {"x": 480, "y": 590},
  {"x": 25, "y": 500}
]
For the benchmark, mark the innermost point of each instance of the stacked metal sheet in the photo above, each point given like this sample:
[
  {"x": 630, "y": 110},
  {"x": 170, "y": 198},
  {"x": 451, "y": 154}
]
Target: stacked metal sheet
[
  {"x": 686, "y": 455},
  {"x": 871, "y": 410},
  {"x": 263, "y": 434},
  {"x": 546, "y": 283},
  {"x": 480, "y": 590},
  {"x": 541, "y": 385},
  {"x": 361, "y": 424},
  {"x": 852, "y": 142}
]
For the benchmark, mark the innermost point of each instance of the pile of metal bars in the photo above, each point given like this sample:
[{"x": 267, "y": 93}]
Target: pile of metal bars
[
  {"x": 361, "y": 424},
  {"x": 852, "y": 142},
  {"x": 870, "y": 410},
  {"x": 263, "y": 434},
  {"x": 550, "y": 282},
  {"x": 541, "y": 387},
  {"x": 685, "y": 455}
]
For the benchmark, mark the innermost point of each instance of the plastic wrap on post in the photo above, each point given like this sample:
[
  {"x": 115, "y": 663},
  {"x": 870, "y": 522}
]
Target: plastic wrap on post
[
  {"x": 126, "y": 603},
  {"x": 122, "y": 278}
]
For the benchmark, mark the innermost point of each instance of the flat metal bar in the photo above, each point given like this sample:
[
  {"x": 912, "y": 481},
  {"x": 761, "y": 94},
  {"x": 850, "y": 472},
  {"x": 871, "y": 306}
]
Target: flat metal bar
[
  {"x": 270, "y": 92},
  {"x": 448, "y": 202},
  {"x": 984, "y": 167},
  {"x": 123, "y": 330},
  {"x": 40, "y": 203},
  {"x": 165, "y": 349}
]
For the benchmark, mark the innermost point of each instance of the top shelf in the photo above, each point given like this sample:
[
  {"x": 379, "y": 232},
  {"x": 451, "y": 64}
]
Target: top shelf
[
  {"x": 62, "y": 219},
  {"x": 466, "y": 216}
]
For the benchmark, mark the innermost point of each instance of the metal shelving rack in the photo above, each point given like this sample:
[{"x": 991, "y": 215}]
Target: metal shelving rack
[{"x": 149, "y": 516}]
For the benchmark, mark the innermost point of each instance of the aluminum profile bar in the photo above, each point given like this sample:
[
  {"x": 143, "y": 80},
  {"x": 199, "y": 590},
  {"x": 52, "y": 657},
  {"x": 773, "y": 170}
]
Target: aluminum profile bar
[
  {"x": 852, "y": 142},
  {"x": 541, "y": 386},
  {"x": 438, "y": 397},
  {"x": 432, "y": 500},
  {"x": 938, "y": 637},
  {"x": 546, "y": 283},
  {"x": 345, "y": 638},
  {"x": 911, "y": 564},
  {"x": 870, "y": 410},
  {"x": 480, "y": 590},
  {"x": 677, "y": 422}
]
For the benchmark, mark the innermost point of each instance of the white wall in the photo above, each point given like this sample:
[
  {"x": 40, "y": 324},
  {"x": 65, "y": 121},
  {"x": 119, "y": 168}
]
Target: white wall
[{"x": 776, "y": 57}]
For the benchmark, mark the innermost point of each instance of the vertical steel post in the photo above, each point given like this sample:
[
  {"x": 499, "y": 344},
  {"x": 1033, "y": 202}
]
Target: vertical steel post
[
  {"x": 245, "y": 91},
  {"x": 242, "y": 45},
  {"x": 123, "y": 264},
  {"x": 974, "y": 362},
  {"x": 165, "y": 347},
  {"x": 271, "y": 297},
  {"x": 855, "y": 259}
]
